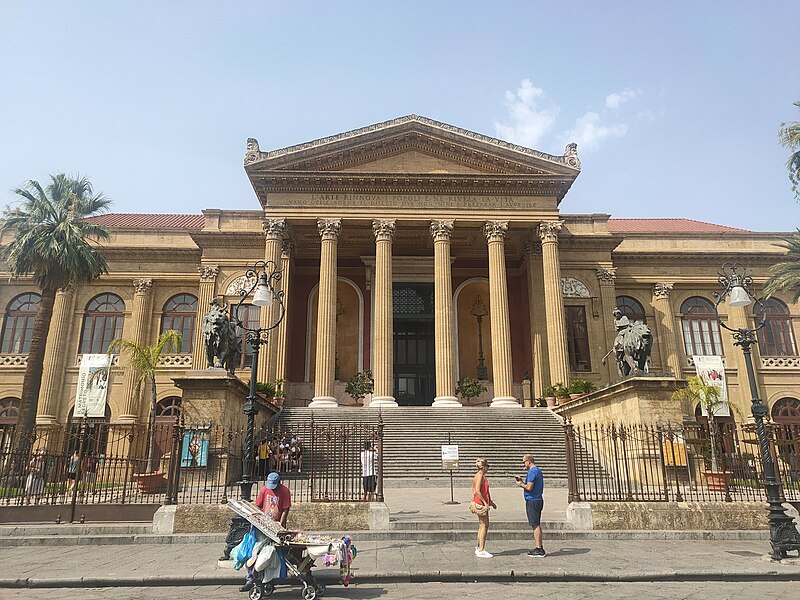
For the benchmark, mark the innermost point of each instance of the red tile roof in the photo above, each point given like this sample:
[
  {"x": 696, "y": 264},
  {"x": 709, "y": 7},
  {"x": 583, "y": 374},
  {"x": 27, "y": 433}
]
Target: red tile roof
[
  {"x": 667, "y": 226},
  {"x": 137, "y": 220}
]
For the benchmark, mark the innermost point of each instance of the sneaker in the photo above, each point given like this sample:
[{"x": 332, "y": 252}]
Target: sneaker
[
  {"x": 538, "y": 553},
  {"x": 483, "y": 554},
  {"x": 247, "y": 586}
]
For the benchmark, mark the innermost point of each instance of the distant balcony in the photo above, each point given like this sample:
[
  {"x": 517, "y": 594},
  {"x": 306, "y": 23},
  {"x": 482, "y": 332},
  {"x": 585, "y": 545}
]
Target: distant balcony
[
  {"x": 176, "y": 360},
  {"x": 780, "y": 362},
  {"x": 13, "y": 360}
]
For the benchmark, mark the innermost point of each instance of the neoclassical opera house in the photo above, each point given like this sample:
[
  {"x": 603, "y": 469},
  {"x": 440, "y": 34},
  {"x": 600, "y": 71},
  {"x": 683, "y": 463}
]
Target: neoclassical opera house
[{"x": 421, "y": 251}]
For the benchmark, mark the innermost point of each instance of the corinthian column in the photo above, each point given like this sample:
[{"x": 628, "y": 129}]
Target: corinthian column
[
  {"x": 274, "y": 231},
  {"x": 206, "y": 291},
  {"x": 495, "y": 232},
  {"x": 281, "y": 340},
  {"x": 533, "y": 260},
  {"x": 139, "y": 327},
  {"x": 665, "y": 327},
  {"x": 554, "y": 304},
  {"x": 55, "y": 357},
  {"x": 608, "y": 302},
  {"x": 443, "y": 324},
  {"x": 384, "y": 327},
  {"x": 329, "y": 230}
]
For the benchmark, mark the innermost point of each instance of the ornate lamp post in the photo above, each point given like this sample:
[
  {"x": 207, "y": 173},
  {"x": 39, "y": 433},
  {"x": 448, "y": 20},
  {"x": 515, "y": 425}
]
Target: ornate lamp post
[
  {"x": 737, "y": 287},
  {"x": 479, "y": 311},
  {"x": 265, "y": 276}
]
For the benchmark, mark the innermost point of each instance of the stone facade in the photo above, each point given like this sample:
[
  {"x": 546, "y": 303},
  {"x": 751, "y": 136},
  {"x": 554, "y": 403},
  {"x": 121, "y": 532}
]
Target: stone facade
[{"x": 391, "y": 237}]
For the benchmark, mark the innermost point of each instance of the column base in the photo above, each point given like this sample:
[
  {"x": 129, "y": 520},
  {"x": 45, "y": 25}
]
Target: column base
[
  {"x": 446, "y": 402},
  {"x": 505, "y": 402},
  {"x": 383, "y": 402},
  {"x": 126, "y": 419},
  {"x": 45, "y": 420},
  {"x": 323, "y": 402}
]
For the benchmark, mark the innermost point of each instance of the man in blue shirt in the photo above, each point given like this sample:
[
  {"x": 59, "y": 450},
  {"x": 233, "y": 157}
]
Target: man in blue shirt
[{"x": 532, "y": 487}]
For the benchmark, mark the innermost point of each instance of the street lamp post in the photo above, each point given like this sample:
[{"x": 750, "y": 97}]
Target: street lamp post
[
  {"x": 265, "y": 276},
  {"x": 737, "y": 287},
  {"x": 479, "y": 311}
]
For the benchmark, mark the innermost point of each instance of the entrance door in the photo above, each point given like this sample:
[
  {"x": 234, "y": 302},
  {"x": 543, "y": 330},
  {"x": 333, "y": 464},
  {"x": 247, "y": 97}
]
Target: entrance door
[{"x": 414, "y": 361}]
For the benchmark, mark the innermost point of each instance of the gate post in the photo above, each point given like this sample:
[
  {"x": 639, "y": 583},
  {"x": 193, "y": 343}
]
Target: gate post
[{"x": 572, "y": 479}]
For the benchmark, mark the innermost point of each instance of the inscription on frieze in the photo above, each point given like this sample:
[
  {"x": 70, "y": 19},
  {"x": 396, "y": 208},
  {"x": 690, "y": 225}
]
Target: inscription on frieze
[{"x": 404, "y": 200}]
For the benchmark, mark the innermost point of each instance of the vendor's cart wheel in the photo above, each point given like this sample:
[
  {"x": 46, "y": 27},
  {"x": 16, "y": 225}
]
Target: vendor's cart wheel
[
  {"x": 269, "y": 588},
  {"x": 320, "y": 590},
  {"x": 309, "y": 592},
  {"x": 256, "y": 592}
]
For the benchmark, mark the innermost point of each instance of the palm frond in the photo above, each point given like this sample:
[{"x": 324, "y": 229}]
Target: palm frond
[{"x": 785, "y": 275}]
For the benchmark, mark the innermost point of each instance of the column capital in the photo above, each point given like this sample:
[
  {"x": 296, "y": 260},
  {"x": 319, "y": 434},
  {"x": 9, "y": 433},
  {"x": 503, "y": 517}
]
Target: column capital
[
  {"x": 287, "y": 248},
  {"x": 329, "y": 229},
  {"x": 442, "y": 229},
  {"x": 67, "y": 290},
  {"x": 143, "y": 287},
  {"x": 383, "y": 229},
  {"x": 662, "y": 290},
  {"x": 607, "y": 276},
  {"x": 532, "y": 249},
  {"x": 274, "y": 228},
  {"x": 549, "y": 230},
  {"x": 208, "y": 273},
  {"x": 495, "y": 231}
]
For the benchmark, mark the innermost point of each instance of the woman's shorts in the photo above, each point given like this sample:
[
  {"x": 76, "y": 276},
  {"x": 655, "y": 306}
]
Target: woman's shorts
[{"x": 370, "y": 483}]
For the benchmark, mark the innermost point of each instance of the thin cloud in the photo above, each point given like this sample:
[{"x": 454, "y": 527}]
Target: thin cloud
[
  {"x": 531, "y": 115},
  {"x": 590, "y": 130},
  {"x": 617, "y": 99}
]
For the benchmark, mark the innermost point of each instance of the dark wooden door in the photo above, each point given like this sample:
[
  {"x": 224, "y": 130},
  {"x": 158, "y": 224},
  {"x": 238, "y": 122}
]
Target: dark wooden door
[{"x": 414, "y": 360}]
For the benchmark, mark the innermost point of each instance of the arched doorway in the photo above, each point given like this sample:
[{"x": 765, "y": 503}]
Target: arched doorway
[
  {"x": 9, "y": 414},
  {"x": 168, "y": 411},
  {"x": 786, "y": 416}
]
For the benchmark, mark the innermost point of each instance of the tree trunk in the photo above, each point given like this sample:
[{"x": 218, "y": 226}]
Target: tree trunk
[
  {"x": 151, "y": 439},
  {"x": 32, "y": 383}
]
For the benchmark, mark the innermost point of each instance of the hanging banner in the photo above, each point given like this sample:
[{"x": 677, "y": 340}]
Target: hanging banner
[
  {"x": 93, "y": 385},
  {"x": 711, "y": 370}
]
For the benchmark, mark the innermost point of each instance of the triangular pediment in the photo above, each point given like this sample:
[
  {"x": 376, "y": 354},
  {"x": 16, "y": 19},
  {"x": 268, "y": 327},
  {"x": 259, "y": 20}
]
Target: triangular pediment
[{"x": 411, "y": 145}]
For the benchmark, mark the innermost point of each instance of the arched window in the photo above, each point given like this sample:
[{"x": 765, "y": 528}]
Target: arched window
[
  {"x": 786, "y": 410},
  {"x": 700, "y": 328},
  {"x": 169, "y": 407},
  {"x": 180, "y": 313},
  {"x": 9, "y": 411},
  {"x": 775, "y": 338},
  {"x": 631, "y": 308},
  {"x": 18, "y": 324},
  {"x": 102, "y": 323}
]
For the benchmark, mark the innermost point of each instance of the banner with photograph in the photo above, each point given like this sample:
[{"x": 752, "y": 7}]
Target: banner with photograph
[
  {"x": 194, "y": 452},
  {"x": 711, "y": 370},
  {"x": 93, "y": 385}
]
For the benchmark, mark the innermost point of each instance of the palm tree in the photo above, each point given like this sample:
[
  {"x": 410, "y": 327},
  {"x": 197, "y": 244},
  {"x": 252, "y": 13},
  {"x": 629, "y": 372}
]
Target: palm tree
[
  {"x": 789, "y": 136},
  {"x": 145, "y": 360},
  {"x": 51, "y": 243},
  {"x": 709, "y": 397}
]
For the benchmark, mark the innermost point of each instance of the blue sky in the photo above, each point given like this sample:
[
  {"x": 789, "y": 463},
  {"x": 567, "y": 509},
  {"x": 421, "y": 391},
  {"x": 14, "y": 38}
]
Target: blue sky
[{"x": 675, "y": 106}]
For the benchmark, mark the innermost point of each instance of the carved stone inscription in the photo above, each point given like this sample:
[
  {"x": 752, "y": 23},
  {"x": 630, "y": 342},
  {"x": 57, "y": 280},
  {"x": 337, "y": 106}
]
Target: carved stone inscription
[{"x": 404, "y": 201}]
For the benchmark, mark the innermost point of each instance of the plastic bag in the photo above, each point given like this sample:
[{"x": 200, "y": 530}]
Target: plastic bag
[{"x": 241, "y": 553}]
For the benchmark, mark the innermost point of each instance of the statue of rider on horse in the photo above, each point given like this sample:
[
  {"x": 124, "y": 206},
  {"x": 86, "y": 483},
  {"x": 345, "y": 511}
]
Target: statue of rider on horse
[
  {"x": 632, "y": 345},
  {"x": 222, "y": 345}
]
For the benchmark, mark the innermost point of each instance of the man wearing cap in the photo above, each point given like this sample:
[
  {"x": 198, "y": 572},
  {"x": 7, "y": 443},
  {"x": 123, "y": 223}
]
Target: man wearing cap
[{"x": 275, "y": 499}]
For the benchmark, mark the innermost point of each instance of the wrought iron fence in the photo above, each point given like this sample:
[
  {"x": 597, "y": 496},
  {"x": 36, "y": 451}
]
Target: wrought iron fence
[
  {"x": 174, "y": 462},
  {"x": 662, "y": 463}
]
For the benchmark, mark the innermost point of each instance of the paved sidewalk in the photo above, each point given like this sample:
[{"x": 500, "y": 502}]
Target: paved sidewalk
[{"x": 609, "y": 560}]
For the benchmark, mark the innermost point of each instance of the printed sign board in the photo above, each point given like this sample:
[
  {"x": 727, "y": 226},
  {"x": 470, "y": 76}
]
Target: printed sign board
[
  {"x": 93, "y": 376},
  {"x": 711, "y": 370},
  {"x": 450, "y": 457}
]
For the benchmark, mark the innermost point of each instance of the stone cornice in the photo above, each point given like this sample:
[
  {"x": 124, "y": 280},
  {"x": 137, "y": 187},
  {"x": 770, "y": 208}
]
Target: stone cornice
[
  {"x": 410, "y": 124},
  {"x": 151, "y": 254},
  {"x": 229, "y": 239},
  {"x": 697, "y": 256}
]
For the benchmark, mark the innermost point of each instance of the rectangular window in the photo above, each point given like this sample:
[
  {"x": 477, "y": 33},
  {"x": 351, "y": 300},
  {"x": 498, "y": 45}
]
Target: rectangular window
[
  {"x": 250, "y": 316},
  {"x": 577, "y": 338}
]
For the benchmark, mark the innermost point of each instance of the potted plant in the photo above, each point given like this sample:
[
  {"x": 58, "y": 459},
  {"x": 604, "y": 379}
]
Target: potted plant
[
  {"x": 562, "y": 393},
  {"x": 580, "y": 387},
  {"x": 469, "y": 388},
  {"x": 360, "y": 385},
  {"x": 709, "y": 398},
  {"x": 550, "y": 395}
]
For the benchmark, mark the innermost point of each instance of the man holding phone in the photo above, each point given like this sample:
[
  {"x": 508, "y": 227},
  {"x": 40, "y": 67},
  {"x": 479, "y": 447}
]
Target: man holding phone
[{"x": 533, "y": 486}]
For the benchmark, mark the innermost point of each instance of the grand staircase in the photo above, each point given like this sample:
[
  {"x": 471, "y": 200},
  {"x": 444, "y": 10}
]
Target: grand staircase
[{"x": 412, "y": 439}]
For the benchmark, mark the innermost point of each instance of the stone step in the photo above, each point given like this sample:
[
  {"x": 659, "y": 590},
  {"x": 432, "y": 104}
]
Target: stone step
[{"x": 78, "y": 529}]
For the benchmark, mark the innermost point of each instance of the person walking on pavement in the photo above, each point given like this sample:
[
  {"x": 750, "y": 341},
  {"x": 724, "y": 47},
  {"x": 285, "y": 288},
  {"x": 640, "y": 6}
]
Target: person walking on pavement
[
  {"x": 481, "y": 502},
  {"x": 533, "y": 486}
]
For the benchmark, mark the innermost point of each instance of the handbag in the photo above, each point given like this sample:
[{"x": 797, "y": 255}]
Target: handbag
[{"x": 478, "y": 509}]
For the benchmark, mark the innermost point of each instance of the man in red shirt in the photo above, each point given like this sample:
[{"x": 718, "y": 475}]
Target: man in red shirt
[{"x": 275, "y": 499}]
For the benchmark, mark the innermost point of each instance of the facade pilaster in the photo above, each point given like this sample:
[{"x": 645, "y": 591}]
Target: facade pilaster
[
  {"x": 666, "y": 328},
  {"x": 329, "y": 230},
  {"x": 55, "y": 358},
  {"x": 274, "y": 232},
  {"x": 536, "y": 314},
  {"x": 281, "y": 337},
  {"x": 738, "y": 319},
  {"x": 554, "y": 303},
  {"x": 383, "y": 341},
  {"x": 608, "y": 302},
  {"x": 206, "y": 292},
  {"x": 495, "y": 232},
  {"x": 141, "y": 313},
  {"x": 441, "y": 231}
]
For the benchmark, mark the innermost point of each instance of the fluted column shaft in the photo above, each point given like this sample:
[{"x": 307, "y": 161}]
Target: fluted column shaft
[
  {"x": 666, "y": 328},
  {"x": 281, "y": 337},
  {"x": 205, "y": 293},
  {"x": 495, "y": 232},
  {"x": 138, "y": 332},
  {"x": 443, "y": 322},
  {"x": 274, "y": 231},
  {"x": 55, "y": 357},
  {"x": 383, "y": 342},
  {"x": 554, "y": 304},
  {"x": 738, "y": 319},
  {"x": 608, "y": 302},
  {"x": 329, "y": 230},
  {"x": 536, "y": 314}
]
